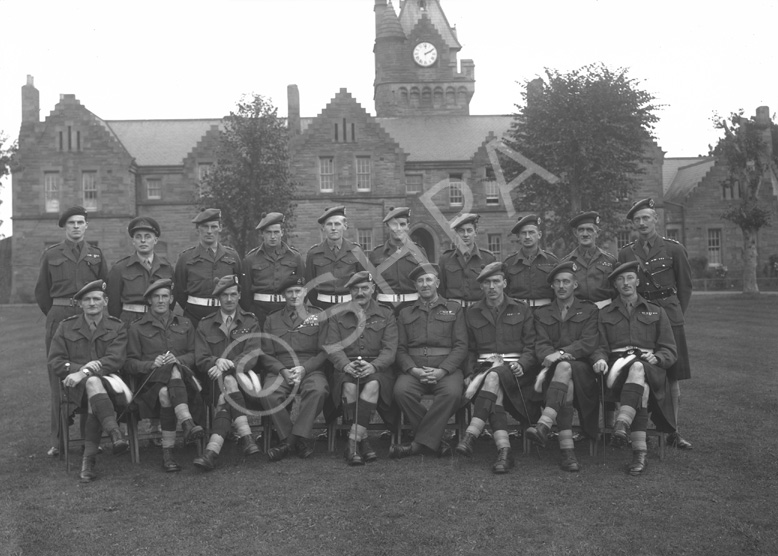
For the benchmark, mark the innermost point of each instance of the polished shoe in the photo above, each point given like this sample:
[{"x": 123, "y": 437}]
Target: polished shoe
[
  {"x": 88, "y": 469},
  {"x": 305, "y": 448},
  {"x": 620, "y": 435},
  {"x": 120, "y": 444},
  {"x": 53, "y": 452},
  {"x": 538, "y": 434},
  {"x": 400, "y": 451},
  {"x": 248, "y": 445},
  {"x": 639, "y": 463},
  {"x": 192, "y": 432},
  {"x": 168, "y": 463},
  {"x": 353, "y": 457},
  {"x": 504, "y": 461},
  {"x": 206, "y": 462},
  {"x": 277, "y": 453},
  {"x": 366, "y": 451},
  {"x": 676, "y": 441},
  {"x": 569, "y": 463},
  {"x": 444, "y": 449},
  {"x": 465, "y": 446}
]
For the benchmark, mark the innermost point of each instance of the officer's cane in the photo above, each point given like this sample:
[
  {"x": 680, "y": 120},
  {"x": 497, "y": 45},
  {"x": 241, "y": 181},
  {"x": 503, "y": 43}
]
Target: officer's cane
[
  {"x": 523, "y": 403},
  {"x": 604, "y": 415},
  {"x": 354, "y": 423}
]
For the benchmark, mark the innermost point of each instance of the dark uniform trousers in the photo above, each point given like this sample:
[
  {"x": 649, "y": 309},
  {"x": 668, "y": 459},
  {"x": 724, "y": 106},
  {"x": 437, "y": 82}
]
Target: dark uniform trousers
[
  {"x": 197, "y": 272},
  {"x": 289, "y": 341},
  {"x": 127, "y": 282},
  {"x": 438, "y": 331}
]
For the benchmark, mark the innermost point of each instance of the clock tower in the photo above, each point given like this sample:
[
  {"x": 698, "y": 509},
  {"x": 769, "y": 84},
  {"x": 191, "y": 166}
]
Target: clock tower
[{"x": 416, "y": 69}]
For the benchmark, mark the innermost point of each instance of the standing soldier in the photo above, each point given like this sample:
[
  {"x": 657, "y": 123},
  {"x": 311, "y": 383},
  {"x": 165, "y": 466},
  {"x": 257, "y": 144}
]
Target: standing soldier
[
  {"x": 397, "y": 290},
  {"x": 199, "y": 268},
  {"x": 267, "y": 267},
  {"x": 593, "y": 263},
  {"x": 666, "y": 281},
  {"x": 130, "y": 276},
  {"x": 335, "y": 256},
  {"x": 528, "y": 268},
  {"x": 66, "y": 267},
  {"x": 461, "y": 265}
]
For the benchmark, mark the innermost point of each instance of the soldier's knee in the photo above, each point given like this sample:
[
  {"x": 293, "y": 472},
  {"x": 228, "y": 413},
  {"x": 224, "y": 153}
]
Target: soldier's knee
[
  {"x": 164, "y": 397},
  {"x": 94, "y": 386},
  {"x": 636, "y": 372},
  {"x": 230, "y": 384},
  {"x": 370, "y": 389},
  {"x": 175, "y": 373},
  {"x": 563, "y": 371},
  {"x": 491, "y": 382}
]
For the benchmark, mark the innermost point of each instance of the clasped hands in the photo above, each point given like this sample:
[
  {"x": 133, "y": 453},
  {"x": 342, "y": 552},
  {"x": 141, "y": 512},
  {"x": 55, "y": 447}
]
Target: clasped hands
[
  {"x": 294, "y": 375},
  {"x": 222, "y": 366},
  {"x": 74, "y": 378},
  {"x": 359, "y": 368},
  {"x": 428, "y": 375}
]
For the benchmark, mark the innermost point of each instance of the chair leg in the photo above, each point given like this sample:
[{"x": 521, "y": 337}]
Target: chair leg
[
  {"x": 132, "y": 433},
  {"x": 331, "y": 430}
]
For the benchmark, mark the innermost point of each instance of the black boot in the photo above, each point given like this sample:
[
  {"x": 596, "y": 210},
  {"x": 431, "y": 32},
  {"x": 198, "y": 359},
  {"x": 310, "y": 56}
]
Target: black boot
[
  {"x": 192, "y": 432},
  {"x": 639, "y": 463},
  {"x": 206, "y": 462},
  {"x": 87, "y": 469},
  {"x": 366, "y": 451},
  {"x": 352, "y": 453},
  {"x": 569, "y": 463},
  {"x": 504, "y": 461},
  {"x": 277, "y": 453},
  {"x": 120, "y": 444},
  {"x": 465, "y": 446},
  {"x": 620, "y": 434},
  {"x": 538, "y": 434},
  {"x": 248, "y": 445}
]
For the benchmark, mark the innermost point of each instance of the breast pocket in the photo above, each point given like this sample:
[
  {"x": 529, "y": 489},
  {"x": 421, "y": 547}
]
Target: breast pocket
[
  {"x": 345, "y": 266},
  {"x": 259, "y": 271},
  {"x": 648, "y": 327},
  {"x": 454, "y": 275},
  {"x": 94, "y": 264},
  {"x": 60, "y": 271}
]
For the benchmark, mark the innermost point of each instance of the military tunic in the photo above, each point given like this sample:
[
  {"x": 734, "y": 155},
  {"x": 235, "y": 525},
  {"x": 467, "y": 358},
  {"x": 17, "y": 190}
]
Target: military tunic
[
  {"x": 265, "y": 270},
  {"x": 527, "y": 278},
  {"x": 458, "y": 273},
  {"x": 592, "y": 274},
  {"x": 196, "y": 274},
  {"x": 395, "y": 274},
  {"x": 127, "y": 282},
  {"x": 578, "y": 336},
  {"x": 321, "y": 260}
]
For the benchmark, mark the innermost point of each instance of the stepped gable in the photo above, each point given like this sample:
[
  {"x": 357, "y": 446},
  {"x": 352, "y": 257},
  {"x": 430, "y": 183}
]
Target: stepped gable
[{"x": 412, "y": 13}]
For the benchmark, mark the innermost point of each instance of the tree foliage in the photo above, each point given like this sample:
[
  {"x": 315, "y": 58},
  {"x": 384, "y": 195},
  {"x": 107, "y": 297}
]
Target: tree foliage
[
  {"x": 251, "y": 175},
  {"x": 7, "y": 160},
  {"x": 590, "y": 127}
]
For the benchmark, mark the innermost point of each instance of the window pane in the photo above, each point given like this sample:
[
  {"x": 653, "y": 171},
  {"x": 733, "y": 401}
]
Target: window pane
[
  {"x": 714, "y": 246},
  {"x": 673, "y": 233},
  {"x": 89, "y": 189},
  {"x": 51, "y": 191},
  {"x": 153, "y": 189},
  {"x": 363, "y": 173},
  {"x": 413, "y": 183},
  {"x": 492, "y": 193},
  {"x": 455, "y": 196},
  {"x": 365, "y": 239},
  {"x": 326, "y": 174},
  {"x": 622, "y": 238},
  {"x": 203, "y": 170},
  {"x": 494, "y": 244}
]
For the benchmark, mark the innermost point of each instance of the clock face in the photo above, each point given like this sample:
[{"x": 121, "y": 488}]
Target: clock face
[{"x": 425, "y": 54}]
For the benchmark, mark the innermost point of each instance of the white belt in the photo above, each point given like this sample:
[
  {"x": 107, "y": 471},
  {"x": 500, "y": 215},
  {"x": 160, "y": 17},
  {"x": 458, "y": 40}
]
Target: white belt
[
  {"x": 603, "y": 303},
  {"x": 505, "y": 356},
  {"x": 326, "y": 298},
  {"x": 203, "y": 301},
  {"x": 536, "y": 302},
  {"x": 464, "y": 302},
  {"x": 269, "y": 297},
  {"x": 133, "y": 308},
  {"x": 626, "y": 349},
  {"x": 397, "y": 298}
]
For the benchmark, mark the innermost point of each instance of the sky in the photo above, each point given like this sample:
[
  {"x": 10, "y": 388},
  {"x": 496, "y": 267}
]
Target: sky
[{"x": 169, "y": 59}]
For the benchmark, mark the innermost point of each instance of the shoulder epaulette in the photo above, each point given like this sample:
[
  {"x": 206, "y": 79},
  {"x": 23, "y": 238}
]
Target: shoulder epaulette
[
  {"x": 485, "y": 250},
  {"x": 114, "y": 319},
  {"x": 52, "y": 246},
  {"x": 449, "y": 250},
  {"x": 189, "y": 249},
  {"x": 630, "y": 244},
  {"x": 672, "y": 240},
  {"x": 70, "y": 318},
  {"x": 252, "y": 251},
  {"x": 519, "y": 301},
  {"x": 123, "y": 259},
  {"x": 292, "y": 249},
  {"x": 228, "y": 248},
  {"x": 452, "y": 305}
]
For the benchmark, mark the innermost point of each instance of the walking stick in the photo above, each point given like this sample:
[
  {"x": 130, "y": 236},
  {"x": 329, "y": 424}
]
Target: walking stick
[
  {"x": 524, "y": 404},
  {"x": 356, "y": 413},
  {"x": 604, "y": 415}
]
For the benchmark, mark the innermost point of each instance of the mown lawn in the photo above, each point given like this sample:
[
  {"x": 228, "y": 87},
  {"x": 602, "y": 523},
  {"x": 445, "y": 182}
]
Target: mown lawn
[{"x": 717, "y": 499}]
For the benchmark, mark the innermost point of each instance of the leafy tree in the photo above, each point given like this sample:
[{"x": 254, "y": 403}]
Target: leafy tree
[
  {"x": 590, "y": 127},
  {"x": 750, "y": 150},
  {"x": 7, "y": 157},
  {"x": 251, "y": 175}
]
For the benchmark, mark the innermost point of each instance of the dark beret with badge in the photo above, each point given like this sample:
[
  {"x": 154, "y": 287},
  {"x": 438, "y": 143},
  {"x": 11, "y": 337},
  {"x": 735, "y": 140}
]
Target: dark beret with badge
[
  {"x": 640, "y": 205},
  {"x": 269, "y": 219},
  {"x": 631, "y": 266},
  {"x": 568, "y": 266},
  {"x": 464, "y": 218},
  {"x": 424, "y": 268},
  {"x": 590, "y": 217},
  {"x": 94, "y": 286},
  {"x": 292, "y": 281},
  {"x": 143, "y": 223},
  {"x": 72, "y": 211},
  {"x": 329, "y": 212},
  {"x": 359, "y": 278},
  {"x": 158, "y": 285},
  {"x": 224, "y": 283},
  {"x": 529, "y": 220},
  {"x": 490, "y": 270},
  {"x": 398, "y": 212},
  {"x": 207, "y": 215}
]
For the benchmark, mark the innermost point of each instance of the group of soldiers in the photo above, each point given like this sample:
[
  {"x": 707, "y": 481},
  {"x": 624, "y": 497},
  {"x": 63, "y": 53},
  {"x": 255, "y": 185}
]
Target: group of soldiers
[{"x": 352, "y": 333}]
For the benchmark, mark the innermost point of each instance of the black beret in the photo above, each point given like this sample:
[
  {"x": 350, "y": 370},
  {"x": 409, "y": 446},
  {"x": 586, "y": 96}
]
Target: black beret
[
  {"x": 158, "y": 285},
  {"x": 490, "y": 270},
  {"x": 568, "y": 266},
  {"x": 224, "y": 283},
  {"x": 530, "y": 219},
  {"x": 143, "y": 223},
  {"x": 72, "y": 211},
  {"x": 269, "y": 219},
  {"x": 464, "y": 218},
  {"x": 339, "y": 210},
  {"x": 207, "y": 215},
  {"x": 639, "y": 205},
  {"x": 591, "y": 217},
  {"x": 399, "y": 212},
  {"x": 631, "y": 266},
  {"x": 358, "y": 278},
  {"x": 95, "y": 286},
  {"x": 293, "y": 281},
  {"x": 422, "y": 269}
]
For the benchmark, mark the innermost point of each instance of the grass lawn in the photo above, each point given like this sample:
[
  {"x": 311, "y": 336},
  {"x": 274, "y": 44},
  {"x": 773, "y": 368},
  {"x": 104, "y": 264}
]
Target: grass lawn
[{"x": 719, "y": 498}]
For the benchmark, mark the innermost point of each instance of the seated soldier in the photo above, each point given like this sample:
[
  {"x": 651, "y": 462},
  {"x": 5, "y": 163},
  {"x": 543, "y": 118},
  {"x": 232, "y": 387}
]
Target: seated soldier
[
  {"x": 361, "y": 341},
  {"x": 565, "y": 337},
  {"x": 430, "y": 356},
  {"x": 86, "y": 348},
  {"x": 293, "y": 357},
  {"x": 160, "y": 351},
  {"x": 633, "y": 326},
  {"x": 500, "y": 330},
  {"x": 227, "y": 343}
]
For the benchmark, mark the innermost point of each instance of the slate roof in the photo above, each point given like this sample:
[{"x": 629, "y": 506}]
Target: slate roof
[
  {"x": 681, "y": 175},
  {"x": 160, "y": 142}
]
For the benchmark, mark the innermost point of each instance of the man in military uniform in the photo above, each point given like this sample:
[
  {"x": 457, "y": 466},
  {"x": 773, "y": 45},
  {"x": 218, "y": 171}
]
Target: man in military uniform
[
  {"x": 565, "y": 337},
  {"x": 199, "y": 268},
  {"x": 593, "y": 263},
  {"x": 667, "y": 282},
  {"x": 267, "y": 267},
  {"x": 293, "y": 357},
  {"x": 160, "y": 352},
  {"x": 430, "y": 356},
  {"x": 130, "y": 276},
  {"x": 85, "y": 349},
  {"x": 528, "y": 268},
  {"x": 227, "y": 344},
  {"x": 66, "y": 267},
  {"x": 637, "y": 333},
  {"x": 461, "y": 265},
  {"x": 361, "y": 341},
  {"x": 500, "y": 329},
  {"x": 399, "y": 255}
]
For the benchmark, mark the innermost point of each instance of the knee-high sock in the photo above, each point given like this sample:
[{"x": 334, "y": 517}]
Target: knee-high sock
[
  {"x": 564, "y": 419},
  {"x": 498, "y": 419},
  {"x": 501, "y": 439},
  {"x": 102, "y": 408},
  {"x": 222, "y": 422},
  {"x": 555, "y": 398},
  {"x": 177, "y": 392},
  {"x": 483, "y": 405},
  {"x": 216, "y": 441},
  {"x": 350, "y": 412},
  {"x": 640, "y": 422},
  {"x": 167, "y": 418},
  {"x": 242, "y": 427},
  {"x": 237, "y": 397},
  {"x": 631, "y": 397},
  {"x": 91, "y": 435},
  {"x": 365, "y": 411}
]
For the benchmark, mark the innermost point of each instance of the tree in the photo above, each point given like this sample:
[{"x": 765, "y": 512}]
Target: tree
[
  {"x": 750, "y": 150},
  {"x": 590, "y": 128},
  {"x": 251, "y": 175},
  {"x": 7, "y": 159}
]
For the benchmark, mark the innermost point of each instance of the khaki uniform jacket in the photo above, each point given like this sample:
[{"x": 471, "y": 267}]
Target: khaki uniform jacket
[
  {"x": 527, "y": 280},
  {"x": 74, "y": 343},
  {"x": 577, "y": 334},
  {"x": 265, "y": 271},
  {"x": 129, "y": 279},
  {"x": 304, "y": 338},
  {"x": 458, "y": 273},
  {"x": 592, "y": 277},
  {"x": 149, "y": 337},
  {"x": 320, "y": 260},
  {"x": 396, "y": 274},
  {"x": 62, "y": 274},
  {"x": 376, "y": 344},
  {"x": 197, "y": 272},
  {"x": 211, "y": 341}
]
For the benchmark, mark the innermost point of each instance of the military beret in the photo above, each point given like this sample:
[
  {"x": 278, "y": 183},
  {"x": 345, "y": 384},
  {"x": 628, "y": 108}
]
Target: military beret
[
  {"x": 269, "y": 219},
  {"x": 464, "y": 218},
  {"x": 490, "y": 270},
  {"x": 143, "y": 223},
  {"x": 158, "y": 285},
  {"x": 339, "y": 210},
  {"x": 591, "y": 217},
  {"x": 359, "y": 277},
  {"x": 568, "y": 266},
  {"x": 423, "y": 268},
  {"x": 399, "y": 212},
  {"x": 293, "y": 281},
  {"x": 631, "y": 266},
  {"x": 639, "y": 205},
  {"x": 224, "y": 283},
  {"x": 72, "y": 211},
  {"x": 529, "y": 220},
  {"x": 207, "y": 215},
  {"x": 95, "y": 286}
]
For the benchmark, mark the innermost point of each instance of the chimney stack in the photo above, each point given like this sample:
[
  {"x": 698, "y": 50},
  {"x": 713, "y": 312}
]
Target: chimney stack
[
  {"x": 31, "y": 104},
  {"x": 534, "y": 90},
  {"x": 293, "y": 117}
]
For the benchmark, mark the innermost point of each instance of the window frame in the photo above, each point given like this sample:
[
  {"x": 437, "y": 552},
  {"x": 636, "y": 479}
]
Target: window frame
[
  {"x": 330, "y": 175},
  {"x": 93, "y": 190},
  {"x": 158, "y": 183},
  {"x": 362, "y": 174},
  {"x": 51, "y": 195},
  {"x": 715, "y": 246}
]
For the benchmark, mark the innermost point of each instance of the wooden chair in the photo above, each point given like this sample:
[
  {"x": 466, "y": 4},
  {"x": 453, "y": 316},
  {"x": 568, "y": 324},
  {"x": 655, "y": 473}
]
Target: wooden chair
[{"x": 607, "y": 429}]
